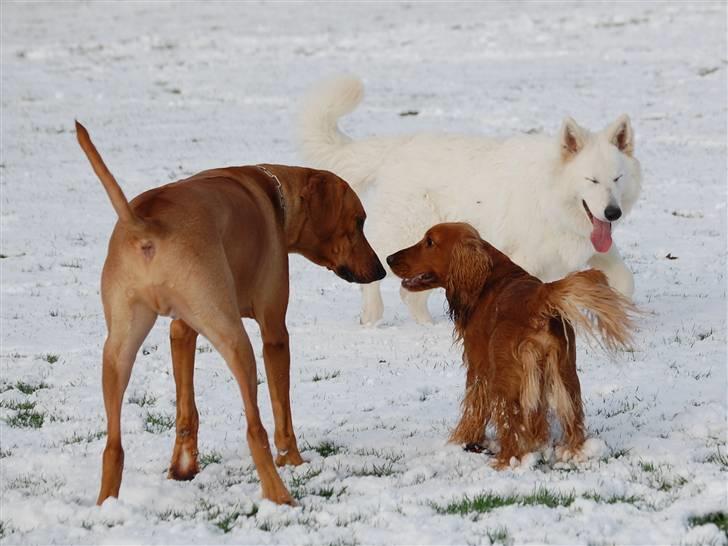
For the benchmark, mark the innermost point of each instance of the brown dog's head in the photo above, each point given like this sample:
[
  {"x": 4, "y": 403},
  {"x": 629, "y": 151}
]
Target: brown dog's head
[
  {"x": 333, "y": 233},
  {"x": 450, "y": 256}
]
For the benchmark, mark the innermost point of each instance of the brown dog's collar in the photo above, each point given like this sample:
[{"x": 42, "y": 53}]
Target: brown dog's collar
[{"x": 279, "y": 189}]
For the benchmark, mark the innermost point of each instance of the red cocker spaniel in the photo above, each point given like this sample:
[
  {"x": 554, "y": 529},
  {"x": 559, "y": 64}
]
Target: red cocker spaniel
[{"x": 518, "y": 337}]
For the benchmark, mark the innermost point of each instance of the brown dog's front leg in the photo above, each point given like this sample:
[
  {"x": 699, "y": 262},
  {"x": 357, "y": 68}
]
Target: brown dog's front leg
[
  {"x": 184, "y": 457},
  {"x": 277, "y": 356}
]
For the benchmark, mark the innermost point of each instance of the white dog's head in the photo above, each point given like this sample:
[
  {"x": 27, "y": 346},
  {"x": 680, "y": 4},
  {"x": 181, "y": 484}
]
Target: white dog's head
[{"x": 602, "y": 178}]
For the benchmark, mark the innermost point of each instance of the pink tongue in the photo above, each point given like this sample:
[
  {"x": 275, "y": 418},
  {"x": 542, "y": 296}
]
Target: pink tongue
[{"x": 601, "y": 235}]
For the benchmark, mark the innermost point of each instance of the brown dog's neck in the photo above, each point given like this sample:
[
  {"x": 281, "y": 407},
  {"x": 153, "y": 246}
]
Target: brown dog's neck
[{"x": 289, "y": 201}]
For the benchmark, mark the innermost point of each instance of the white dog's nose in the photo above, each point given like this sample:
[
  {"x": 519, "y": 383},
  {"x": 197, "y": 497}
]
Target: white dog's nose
[{"x": 612, "y": 213}]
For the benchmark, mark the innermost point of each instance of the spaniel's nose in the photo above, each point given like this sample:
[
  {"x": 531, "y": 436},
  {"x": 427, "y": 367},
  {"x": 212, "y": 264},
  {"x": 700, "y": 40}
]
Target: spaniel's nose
[
  {"x": 390, "y": 259},
  {"x": 612, "y": 213}
]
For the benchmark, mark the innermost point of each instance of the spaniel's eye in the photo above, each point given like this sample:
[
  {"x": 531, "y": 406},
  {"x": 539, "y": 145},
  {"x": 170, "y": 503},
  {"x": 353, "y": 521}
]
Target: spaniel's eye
[
  {"x": 428, "y": 242},
  {"x": 592, "y": 180},
  {"x": 360, "y": 224}
]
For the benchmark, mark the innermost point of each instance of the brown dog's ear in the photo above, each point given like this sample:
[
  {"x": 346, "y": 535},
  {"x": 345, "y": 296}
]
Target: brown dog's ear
[
  {"x": 470, "y": 265},
  {"x": 323, "y": 196}
]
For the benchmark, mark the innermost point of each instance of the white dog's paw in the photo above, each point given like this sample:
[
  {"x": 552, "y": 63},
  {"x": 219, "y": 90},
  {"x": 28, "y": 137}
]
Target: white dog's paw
[
  {"x": 371, "y": 316},
  {"x": 369, "y": 321},
  {"x": 423, "y": 318}
]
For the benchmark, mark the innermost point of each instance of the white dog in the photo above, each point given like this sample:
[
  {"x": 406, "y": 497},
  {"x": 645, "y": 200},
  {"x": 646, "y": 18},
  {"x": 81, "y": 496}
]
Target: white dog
[{"x": 547, "y": 202}]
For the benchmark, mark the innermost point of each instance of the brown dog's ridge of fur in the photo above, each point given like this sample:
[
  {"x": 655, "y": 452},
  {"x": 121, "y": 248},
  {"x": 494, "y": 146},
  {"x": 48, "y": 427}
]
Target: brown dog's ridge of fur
[
  {"x": 207, "y": 251},
  {"x": 518, "y": 336}
]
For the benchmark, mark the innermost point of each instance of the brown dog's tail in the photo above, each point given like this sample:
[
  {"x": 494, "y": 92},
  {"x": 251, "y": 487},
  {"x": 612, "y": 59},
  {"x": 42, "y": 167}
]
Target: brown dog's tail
[
  {"x": 117, "y": 197},
  {"x": 586, "y": 300}
]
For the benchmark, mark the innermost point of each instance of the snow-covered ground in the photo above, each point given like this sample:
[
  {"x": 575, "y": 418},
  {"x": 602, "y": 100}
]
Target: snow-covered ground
[{"x": 170, "y": 89}]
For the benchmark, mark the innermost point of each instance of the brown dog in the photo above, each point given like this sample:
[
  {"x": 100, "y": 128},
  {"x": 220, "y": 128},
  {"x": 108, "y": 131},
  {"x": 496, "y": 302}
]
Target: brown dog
[
  {"x": 207, "y": 251},
  {"x": 518, "y": 336}
]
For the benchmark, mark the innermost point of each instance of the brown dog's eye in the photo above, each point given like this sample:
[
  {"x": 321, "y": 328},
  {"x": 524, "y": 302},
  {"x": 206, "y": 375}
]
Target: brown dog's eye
[
  {"x": 429, "y": 242},
  {"x": 360, "y": 224}
]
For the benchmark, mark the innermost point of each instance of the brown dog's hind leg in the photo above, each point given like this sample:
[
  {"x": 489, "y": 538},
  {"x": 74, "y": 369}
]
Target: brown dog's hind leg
[
  {"x": 183, "y": 340},
  {"x": 510, "y": 424},
  {"x": 277, "y": 357},
  {"x": 128, "y": 326},
  {"x": 566, "y": 393}
]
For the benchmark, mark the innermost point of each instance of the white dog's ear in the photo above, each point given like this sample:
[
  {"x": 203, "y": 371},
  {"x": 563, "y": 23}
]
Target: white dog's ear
[
  {"x": 572, "y": 138},
  {"x": 621, "y": 135}
]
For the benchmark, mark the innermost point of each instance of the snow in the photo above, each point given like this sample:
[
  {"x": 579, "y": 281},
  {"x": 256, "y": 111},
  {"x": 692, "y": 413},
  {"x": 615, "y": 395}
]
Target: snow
[{"x": 168, "y": 89}]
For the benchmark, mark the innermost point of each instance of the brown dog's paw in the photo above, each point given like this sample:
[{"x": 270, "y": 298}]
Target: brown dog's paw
[
  {"x": 182, "y": 475},
  {"x": 279, "y": 494},
  {"x": 475, "y": 447},
  {"x": 184, "y": 465},
  {"x": 291, "y": 457}
]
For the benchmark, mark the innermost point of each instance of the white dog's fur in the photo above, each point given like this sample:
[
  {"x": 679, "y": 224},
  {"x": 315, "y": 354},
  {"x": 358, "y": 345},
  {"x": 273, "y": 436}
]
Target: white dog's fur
[{"x": 523, "y": 194}]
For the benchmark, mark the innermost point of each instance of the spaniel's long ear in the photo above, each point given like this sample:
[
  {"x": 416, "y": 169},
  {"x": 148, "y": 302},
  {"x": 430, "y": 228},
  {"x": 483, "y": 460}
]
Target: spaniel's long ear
[{"x": 470, "y": 266}]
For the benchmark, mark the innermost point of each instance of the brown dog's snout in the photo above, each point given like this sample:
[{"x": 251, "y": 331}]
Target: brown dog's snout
[
  {"x": 376, "y": 271},
  {"x": 379, "y": 272},
  {"x": 373, "y": 271}
]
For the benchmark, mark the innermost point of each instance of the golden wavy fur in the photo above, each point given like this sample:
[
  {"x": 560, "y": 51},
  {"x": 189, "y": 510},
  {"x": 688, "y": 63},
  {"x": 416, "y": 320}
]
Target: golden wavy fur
[{"x": 518, "y": 336}]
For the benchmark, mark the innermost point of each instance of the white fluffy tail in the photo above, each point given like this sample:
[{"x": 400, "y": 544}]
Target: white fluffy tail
[
  {"x": 322, "y": 144},
  {"x": 318, "y": 129}
]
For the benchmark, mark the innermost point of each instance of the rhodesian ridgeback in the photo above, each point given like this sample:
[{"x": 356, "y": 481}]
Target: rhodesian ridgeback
[{"x": 206, "y": 251}]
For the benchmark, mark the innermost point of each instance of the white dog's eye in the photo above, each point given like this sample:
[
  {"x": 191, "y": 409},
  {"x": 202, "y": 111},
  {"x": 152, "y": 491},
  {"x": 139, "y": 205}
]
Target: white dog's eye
[
  {"x": 593, "y": 180},
  {"x": 617, "y": 179}
]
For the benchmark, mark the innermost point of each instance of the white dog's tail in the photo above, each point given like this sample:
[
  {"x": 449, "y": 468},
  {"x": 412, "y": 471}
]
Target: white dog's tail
[{"x": 321, "y": 142}]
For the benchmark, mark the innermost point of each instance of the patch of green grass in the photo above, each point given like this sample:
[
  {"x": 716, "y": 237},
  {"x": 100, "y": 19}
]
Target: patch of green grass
[
  {"x": 17, "y": 405},
  {"x": 326, "y": 375},
  {"x": 213, "y": 457},
  {"x": 326, "y": 448},
  {"x": 487, "y": 502},
  {"x": 27, "y": 418},
  {"x": 386, "y": 469},
  {"x": 28, "y": 388},
  {"x": 38, "y": 483},
  {"x": 50, "y": 358},
  {"x": 5, "y": 529},
  {"x": 298, "y": 480},
  {"x": 170, "y": 514},
  {"x": 142, "y": 400},
  {"x": 325, "y": 492},
  {"x": 89, "y": 437},
  {"x": 718, "y": 458},
  {"x": 612, "y": 499},
  {"x": 157, "y": 423},
  {"x": 647, "y": 466},
  {"x": 498, "y": 535},
  {"x": 720, "y": 519},
  {"x": 344, "y": 541},
  {"x": 328, "y": 492},
  {"x": 224, "y": 520},
  {"x": 619, "y": 453}
]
